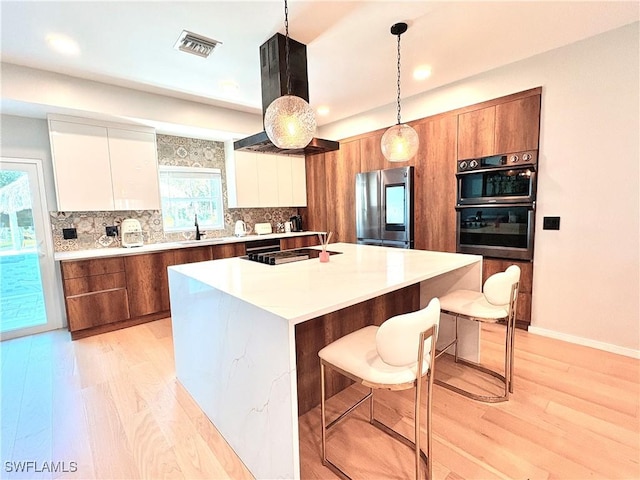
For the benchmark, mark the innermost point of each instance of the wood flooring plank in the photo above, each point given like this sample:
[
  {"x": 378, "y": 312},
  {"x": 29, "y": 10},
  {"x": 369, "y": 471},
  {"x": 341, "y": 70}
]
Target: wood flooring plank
[{"x": 112, "y": 404}]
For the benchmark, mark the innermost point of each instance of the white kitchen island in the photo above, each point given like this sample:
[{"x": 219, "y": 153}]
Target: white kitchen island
[{"x": 234, "y": 330}]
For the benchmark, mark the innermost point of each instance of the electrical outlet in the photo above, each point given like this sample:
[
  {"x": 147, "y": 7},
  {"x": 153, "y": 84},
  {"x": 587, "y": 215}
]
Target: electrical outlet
[
  {"x": 112, "y": 231},
  {"x": 69, "y": 233},
  {"x": 551, "y": 223}
]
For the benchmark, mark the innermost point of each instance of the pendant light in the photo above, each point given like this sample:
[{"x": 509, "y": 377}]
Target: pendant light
[
  {"x": 400, "y": 142},
  {"x": 289, "y": 120}
]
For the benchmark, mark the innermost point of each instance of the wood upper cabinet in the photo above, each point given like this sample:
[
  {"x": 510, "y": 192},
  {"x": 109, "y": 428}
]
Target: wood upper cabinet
[
  {"x": 435, "y": 185},
  {"x": 342, "y": 166},
  {"x": 147, "y": 282},
  {"x": 512, "y": 126},
  {"x": 371, "y": 157},
  {"x": 95, "y": 292},
  {"x": 476, "y": 133},
  {"x": 518, "y": 125}
]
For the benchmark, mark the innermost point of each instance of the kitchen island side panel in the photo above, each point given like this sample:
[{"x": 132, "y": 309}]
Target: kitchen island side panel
[{"x": 236, "y": 362}]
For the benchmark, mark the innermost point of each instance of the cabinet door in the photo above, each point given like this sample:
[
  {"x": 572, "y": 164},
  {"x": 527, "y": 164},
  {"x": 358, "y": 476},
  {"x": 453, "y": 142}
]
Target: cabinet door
[
  {"x": 147, "y": 282},
  {"x": 267, "y": 179},
  {"x": 315, "y": 214},
  {"x": 342, "y": 166},
  {"x": 229, "y": 250},
  {"x": 435, "y": 186},
  {"x": 192, "y": 255},
  {"x": 246, "y": 180},
  {"x": 476, "y": 133},
  {"x": 134, "y": 170},
  {"x": 289, "y": 243},
  {"x": 518, "y": 125},
  {"x": 99, "y": 308},
  {"x": 285, "y": 181},
  {"x": 81, "y": 166},
  {"x": 299, "y": 182},
  {"x": 94, "y": 266}
]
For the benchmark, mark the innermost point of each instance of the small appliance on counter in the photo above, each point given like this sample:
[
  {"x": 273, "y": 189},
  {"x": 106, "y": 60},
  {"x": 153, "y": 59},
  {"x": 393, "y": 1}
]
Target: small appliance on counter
[
  {"x": 263, "y": 228},
  {"x": 296, "y": 223},
  {"x": 241, "y": 229},
  {"x": 131, "y": 233}
]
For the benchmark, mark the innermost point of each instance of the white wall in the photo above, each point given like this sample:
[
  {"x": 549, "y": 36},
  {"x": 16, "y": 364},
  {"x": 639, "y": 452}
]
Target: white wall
[{"x": 586, "y": 276}]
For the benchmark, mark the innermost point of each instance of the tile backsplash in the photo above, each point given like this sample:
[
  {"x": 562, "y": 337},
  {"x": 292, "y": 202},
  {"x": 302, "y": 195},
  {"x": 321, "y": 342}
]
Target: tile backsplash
[{"x": 176, "y": 151}]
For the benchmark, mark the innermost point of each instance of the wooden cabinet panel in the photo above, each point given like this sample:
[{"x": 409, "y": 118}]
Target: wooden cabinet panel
[
  {"x": 192, "y": 255},
  {"x": 476, "y": 131},
  {"x": 147, "y": 282},
  {"x": 299, "y": 242},
  {"x": 371, "y": 157},
  {"x": 315, "y": 215},
  {"x": 94, "y": 309},
  {"x": 342, "y": 166},
  {"x": 96, "y": 266},
  {"x": 435, "y": 187},
  {"x": 518, "y": 125},
  {"x": 229, "y": 250},
  {"x": 495, "y": 265},
  {"x": 94, "y": 283}
]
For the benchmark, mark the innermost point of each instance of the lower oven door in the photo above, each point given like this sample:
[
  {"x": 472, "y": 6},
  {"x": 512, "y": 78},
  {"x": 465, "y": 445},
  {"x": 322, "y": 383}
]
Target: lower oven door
[{"x": 500, "y": 231}]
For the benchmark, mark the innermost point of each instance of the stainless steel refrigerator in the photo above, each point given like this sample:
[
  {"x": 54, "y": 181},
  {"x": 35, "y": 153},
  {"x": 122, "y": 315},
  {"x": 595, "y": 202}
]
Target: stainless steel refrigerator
[{"x": 384, "y": 207}]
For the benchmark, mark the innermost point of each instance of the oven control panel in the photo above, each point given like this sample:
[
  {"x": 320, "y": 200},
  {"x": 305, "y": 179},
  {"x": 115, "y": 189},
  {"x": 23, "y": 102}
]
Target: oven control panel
[{"x": 498, "y": 161}]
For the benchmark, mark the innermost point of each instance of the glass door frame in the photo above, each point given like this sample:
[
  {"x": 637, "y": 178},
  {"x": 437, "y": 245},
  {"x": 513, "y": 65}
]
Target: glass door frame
[{"x": 44, "y": 244}]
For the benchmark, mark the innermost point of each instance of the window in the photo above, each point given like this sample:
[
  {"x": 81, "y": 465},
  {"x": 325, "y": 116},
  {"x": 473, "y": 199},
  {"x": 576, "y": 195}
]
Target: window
[{"x": 187, "y": 191}]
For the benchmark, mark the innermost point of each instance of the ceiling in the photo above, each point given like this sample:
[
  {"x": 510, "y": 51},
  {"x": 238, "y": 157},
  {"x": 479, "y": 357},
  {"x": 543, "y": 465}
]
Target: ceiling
[{"x": 351, "y": 53}]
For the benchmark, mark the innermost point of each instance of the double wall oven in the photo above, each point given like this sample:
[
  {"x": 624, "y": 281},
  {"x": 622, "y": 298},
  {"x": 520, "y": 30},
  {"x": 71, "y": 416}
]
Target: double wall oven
[{"x": 496, "y": 205}]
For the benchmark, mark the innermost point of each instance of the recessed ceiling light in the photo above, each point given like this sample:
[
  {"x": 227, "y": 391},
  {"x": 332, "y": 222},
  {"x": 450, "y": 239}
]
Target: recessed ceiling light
[
  {"x": 422, "y": 72},
  {"x": 228, "y": 86},
  {"x": 63, "y": 44},
  {"x": 323, "y": 110}
]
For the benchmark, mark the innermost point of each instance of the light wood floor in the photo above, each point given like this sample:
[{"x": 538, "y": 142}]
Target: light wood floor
[{"x": 111, "y": 404}]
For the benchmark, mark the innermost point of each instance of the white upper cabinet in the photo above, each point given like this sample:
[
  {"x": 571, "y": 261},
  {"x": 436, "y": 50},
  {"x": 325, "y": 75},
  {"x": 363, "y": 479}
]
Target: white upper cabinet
[
  {"x": 134, "y": 170},
  {"x": 264, "y": 180},
  {"x": 100, "y": 166}
]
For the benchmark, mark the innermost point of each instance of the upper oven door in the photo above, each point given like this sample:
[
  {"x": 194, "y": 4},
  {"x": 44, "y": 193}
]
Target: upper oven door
[{"x": 497, "y": 185}]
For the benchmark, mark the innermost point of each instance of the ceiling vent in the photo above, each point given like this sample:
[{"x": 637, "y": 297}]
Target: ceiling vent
[{"x": 196, "y": 44}]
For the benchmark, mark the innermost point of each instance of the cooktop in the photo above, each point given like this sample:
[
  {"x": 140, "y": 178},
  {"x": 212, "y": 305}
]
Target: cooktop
[{"x": 286, "y": 256}]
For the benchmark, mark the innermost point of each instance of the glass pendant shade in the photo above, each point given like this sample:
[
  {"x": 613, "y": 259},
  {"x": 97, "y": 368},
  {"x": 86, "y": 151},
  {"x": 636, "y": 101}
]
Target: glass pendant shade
[
  {"x": 289, "y": 122},
  {"x": 399, "y": 143}
]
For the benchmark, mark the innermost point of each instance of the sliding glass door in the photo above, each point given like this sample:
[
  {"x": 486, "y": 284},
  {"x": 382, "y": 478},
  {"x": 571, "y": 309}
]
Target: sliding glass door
[{"x": 27, "y": 284}]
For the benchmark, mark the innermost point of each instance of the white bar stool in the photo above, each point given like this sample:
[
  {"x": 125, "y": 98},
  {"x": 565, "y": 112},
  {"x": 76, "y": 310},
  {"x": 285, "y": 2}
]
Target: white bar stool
[
  {"x": 387, "y": 357},
  {"x": 496, "y": 303}
]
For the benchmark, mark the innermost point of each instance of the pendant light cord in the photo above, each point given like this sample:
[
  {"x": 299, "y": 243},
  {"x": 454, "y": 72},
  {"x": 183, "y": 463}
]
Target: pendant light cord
[
  {"x": 286, "y": 45},
  {"x": 398, "y": 79}
]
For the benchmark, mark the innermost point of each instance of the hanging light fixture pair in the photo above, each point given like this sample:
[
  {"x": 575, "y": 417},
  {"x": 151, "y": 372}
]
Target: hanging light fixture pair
[
  {"x": 289, "y": 121},
  {"x": 400, "y": 142}
]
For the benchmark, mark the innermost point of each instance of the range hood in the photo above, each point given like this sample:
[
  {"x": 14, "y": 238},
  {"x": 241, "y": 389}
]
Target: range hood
[{"x": 273, "y": 74}]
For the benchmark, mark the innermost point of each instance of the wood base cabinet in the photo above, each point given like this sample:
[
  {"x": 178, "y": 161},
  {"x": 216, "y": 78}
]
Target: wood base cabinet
[
  {"x": 495, "y": 265},
  {"x": 299, "y": 242}
]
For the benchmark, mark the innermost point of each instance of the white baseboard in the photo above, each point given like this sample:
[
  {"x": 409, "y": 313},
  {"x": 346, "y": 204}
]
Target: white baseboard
[{"x": 607, "y": 347}]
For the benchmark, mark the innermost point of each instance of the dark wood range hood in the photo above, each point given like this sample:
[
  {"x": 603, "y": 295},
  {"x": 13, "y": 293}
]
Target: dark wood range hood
[{"x": 273, "y": 74}]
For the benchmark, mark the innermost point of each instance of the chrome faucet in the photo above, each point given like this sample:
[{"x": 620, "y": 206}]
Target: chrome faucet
[{"x": 198, "y": 235}]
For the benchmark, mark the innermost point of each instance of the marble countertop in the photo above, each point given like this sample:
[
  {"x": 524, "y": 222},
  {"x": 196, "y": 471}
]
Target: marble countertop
[
  {"x": 157, "y": 247},
  {"x": 303, "y": 290}
]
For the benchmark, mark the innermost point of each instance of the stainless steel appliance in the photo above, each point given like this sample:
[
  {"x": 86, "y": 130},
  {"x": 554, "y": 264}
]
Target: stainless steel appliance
[
  {"x": 131, "y": 233},
  {"x": 496, "y": 205},
  {"x": 285, "y": 256},
  {"x": 497, "y": 185},
  {"x": 296, "y": 223},
  {"x": 384, "y": 207},
  {"x": 502, "y": 231}
]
